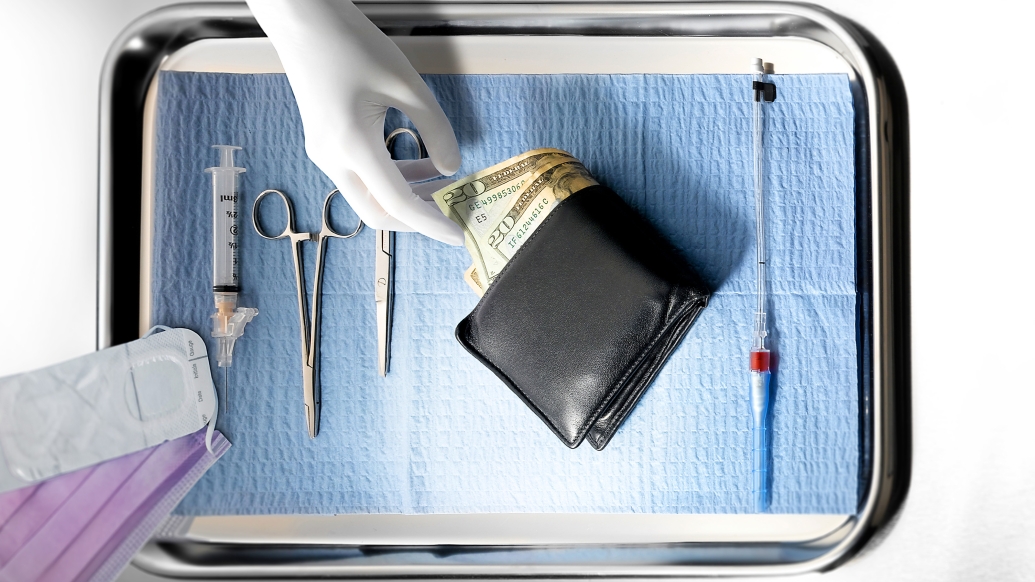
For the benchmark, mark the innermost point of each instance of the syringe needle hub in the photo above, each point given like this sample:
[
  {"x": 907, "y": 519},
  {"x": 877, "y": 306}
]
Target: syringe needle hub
[{"x": 228, "y": 323}]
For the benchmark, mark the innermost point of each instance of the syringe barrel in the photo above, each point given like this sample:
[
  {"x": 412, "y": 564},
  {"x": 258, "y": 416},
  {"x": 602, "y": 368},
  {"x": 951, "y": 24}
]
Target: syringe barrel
[{"x": 224, "y": 221}]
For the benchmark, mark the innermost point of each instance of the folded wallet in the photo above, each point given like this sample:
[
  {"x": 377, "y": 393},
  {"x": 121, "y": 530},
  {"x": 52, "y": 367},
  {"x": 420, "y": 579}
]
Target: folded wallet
[{"x": 582, "y": 318}]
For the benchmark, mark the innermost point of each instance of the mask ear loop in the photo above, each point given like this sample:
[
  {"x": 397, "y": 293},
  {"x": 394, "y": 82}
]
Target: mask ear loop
[
  {"x": 211, "y": 427},
  {"x": 215, "y": 409},
  {"x": 151, "y": 331}
]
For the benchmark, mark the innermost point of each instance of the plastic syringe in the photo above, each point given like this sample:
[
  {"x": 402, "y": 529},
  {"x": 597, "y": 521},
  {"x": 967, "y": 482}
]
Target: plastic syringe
[
  {"x": 229, "y": 320},
  {"x": 760, "y": 356}
]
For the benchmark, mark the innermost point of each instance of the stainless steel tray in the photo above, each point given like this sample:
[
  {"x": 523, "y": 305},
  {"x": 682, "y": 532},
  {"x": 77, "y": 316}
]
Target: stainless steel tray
[{"x": 540, "y": 545}]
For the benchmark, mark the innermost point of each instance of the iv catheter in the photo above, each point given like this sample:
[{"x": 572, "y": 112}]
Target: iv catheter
[
  {"x": 760, "y": 355},
  {"x": 229, "y": 320}
]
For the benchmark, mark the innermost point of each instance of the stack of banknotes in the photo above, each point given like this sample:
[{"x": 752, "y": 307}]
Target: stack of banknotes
[{"x": 500, "y": 207}]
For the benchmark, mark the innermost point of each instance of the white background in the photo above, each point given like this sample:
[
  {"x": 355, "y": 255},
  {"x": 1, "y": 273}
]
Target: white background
[{"x": 970, "y": 510}]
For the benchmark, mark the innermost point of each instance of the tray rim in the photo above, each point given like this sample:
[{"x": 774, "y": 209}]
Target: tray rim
[{"x": 139, "y": 49}]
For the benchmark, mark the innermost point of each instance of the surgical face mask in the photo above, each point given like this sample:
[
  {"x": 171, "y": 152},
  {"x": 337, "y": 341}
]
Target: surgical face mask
[
  {"x": 103, "y": 405},
  {"x": 87, "y": 525}
]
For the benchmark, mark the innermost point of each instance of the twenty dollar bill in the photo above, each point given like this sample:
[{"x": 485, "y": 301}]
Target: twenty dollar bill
[{"x": 500, "y": 207}]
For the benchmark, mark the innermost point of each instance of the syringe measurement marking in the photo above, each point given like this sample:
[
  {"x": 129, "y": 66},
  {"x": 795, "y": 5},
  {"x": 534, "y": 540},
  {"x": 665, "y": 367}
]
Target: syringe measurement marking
[{"x": 231, "y": 214}]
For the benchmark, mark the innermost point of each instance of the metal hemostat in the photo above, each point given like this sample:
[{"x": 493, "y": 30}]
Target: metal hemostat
[{"x": 308, "y": 325}]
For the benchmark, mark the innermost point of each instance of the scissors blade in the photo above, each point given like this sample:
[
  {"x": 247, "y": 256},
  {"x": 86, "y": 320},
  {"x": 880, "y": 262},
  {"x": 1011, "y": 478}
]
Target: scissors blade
[{"x": 384, "y": 292}]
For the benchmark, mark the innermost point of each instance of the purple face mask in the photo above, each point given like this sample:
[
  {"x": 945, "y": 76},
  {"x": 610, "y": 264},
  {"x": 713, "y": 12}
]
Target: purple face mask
[{"x": 88, "y": 524}]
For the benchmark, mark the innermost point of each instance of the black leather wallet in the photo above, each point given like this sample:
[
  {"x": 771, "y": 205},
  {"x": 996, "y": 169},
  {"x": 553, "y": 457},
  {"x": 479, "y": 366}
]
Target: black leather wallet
[{"x": 585, "y": 314}]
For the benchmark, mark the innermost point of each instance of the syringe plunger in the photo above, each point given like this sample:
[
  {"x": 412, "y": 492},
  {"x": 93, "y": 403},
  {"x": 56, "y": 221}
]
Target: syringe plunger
[{"x": 226, "y": 156}]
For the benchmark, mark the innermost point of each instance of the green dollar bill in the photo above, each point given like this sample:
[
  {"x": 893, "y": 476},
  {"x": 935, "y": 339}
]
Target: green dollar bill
[
  {"x": 500, "y": 207},
  {"x": 478, "y": 202}
]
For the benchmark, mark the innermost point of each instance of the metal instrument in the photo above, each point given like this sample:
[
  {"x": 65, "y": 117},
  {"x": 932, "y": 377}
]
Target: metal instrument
[
  {"x": 764, "y": 92},
  {"x": 384, "y": 269},
  {"x": 308, "y": 324},
  {"x": 384, "y": 295}
]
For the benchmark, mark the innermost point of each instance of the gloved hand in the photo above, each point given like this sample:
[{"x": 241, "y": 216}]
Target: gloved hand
[{"x": 345, "y": 74}]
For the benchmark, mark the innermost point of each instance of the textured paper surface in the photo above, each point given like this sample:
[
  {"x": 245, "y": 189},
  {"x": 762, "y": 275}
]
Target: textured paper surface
[{"x": 433, "y": 438}]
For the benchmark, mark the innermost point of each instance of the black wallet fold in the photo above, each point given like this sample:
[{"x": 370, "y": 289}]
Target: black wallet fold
[{"x": 585, "y": 314}]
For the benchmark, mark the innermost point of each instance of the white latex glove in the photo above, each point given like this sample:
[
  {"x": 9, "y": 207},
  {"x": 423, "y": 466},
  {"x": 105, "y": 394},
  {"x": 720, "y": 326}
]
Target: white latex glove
[{"x": 345, "y": 74}]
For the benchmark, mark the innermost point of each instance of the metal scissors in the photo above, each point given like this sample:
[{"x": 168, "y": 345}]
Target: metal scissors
[
  {"x": 309, "y": 325},
  {"x": 384, "y": 295},
  {"x": 384, "y": 269}
]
